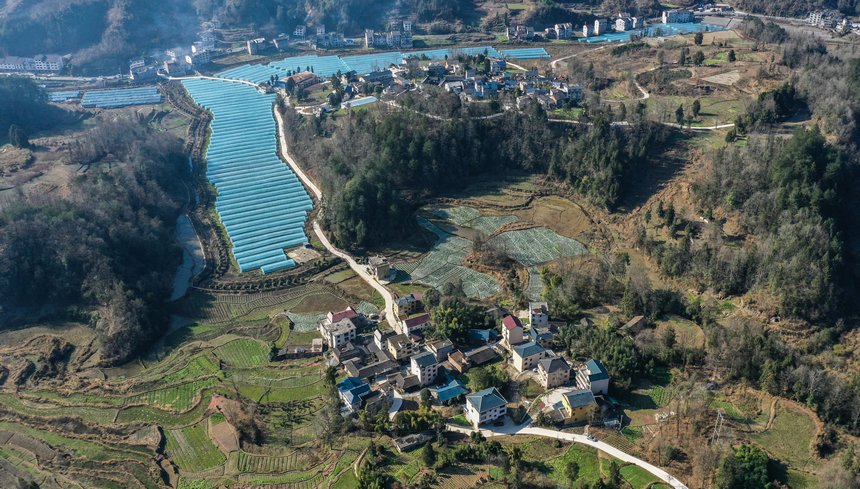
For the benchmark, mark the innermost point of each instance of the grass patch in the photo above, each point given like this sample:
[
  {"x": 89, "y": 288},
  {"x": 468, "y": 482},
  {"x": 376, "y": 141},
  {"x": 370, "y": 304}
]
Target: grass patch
[
  {"x": 460, "y": 420},
  {"x": 789, "y": 438}
]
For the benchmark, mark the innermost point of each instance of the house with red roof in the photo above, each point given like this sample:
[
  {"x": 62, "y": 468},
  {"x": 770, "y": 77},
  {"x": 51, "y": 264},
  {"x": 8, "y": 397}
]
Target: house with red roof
[
  {"x": 413, "y": 324},
  {"x": 512, "y": 330}
]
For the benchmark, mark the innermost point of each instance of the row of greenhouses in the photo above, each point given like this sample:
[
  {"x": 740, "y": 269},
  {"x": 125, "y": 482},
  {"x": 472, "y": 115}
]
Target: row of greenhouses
[{"x": 261, "y": 203}]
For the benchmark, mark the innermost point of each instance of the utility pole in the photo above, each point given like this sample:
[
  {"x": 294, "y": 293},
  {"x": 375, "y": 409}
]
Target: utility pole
[{"x": 718, "y": 426}]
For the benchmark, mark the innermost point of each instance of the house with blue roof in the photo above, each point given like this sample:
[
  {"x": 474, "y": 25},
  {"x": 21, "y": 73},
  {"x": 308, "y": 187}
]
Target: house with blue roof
[
  {"x": 594, "y": 377},
  {"x": 527, "y": 356},
  {"x": 482, "y": 335},
  {"x": 352, "y": 391},
  {"x": 485, "y": 406},
  {"x": 450, "y": 391}
]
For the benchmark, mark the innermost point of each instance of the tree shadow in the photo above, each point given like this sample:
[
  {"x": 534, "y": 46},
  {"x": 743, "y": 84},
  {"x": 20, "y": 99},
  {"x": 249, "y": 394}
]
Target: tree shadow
[{"x": 663, "y": 164}]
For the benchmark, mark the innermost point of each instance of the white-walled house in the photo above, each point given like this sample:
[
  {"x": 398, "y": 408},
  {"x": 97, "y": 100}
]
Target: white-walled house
[{"x": 485, "y": 406}]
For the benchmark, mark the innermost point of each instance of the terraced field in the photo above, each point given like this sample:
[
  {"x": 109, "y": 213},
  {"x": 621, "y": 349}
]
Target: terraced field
[
  {"x": 244, "y": 353},
  {"x": 444, "y": 264},
  {"x": 192, "y": 450}
]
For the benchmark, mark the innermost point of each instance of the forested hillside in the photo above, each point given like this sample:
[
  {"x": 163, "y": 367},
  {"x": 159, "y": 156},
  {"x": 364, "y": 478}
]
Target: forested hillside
[
  {"x": 375, "y": 162},
  {"x": 103, "y": 34},
  {"x": 105, "y": 252}
]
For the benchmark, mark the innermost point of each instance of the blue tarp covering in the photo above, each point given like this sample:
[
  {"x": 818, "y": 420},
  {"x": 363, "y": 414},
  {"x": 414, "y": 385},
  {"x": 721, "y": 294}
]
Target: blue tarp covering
[
  {"x": 62, "y": 96},
  {"x": 261, "y": 202},
  {"x": 109, "y": 99},
  {"x": 450, "y": 391}
]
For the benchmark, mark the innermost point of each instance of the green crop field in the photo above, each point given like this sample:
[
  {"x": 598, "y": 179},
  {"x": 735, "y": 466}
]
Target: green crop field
[
  {"x": 192, "y": 450},
  {"x": 638, "y": 477},
  {"x": 585, "y": 458},
  {"x": 177, "y": 398},
  {"x": 244, "y": 353},
  {"x": 790, "y": 437},
  {"x": 470, "y": 217},
  {"x": 198, "y": 366},
  {"x": 265, "y": 464}
]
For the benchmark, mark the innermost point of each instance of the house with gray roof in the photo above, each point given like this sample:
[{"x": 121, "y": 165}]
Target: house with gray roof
[
  {"x": 553, "y": 372},
  {"x": 594, "y": 377},
  {"x": 485, "y": 406},
  {"x": 424, "y": 366},
  {"x": 527, "y": 355}
]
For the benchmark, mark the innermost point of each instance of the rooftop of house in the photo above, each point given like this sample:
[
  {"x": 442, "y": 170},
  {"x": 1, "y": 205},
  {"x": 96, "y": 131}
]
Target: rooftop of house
[
  {"x": 441, "y": 345},
  {"x": 634, "y": 322},
  {"x": 348, "y": 313},
  {"x": 537, "y": 334},
  {"x": 512, "y": 322},
  {"x": 596, "y": 370},
  {"x": 528, "y": 349},
  {"x": 377, "y": 260},
  {"x": 450, "y": 391},
  {"x": 552, "y": 365},
  {"x": 579, "y": 398},
  {"x": 539, "y": 307},
  {"x": 484, "y": 335},
  {"x": 458, "y": 357},
  {"x": 424, "y": 359},
  {"x": 339, "y": 327},
  {"x": 417, "y": 320},
  {"x": 481, "y": 355},
  {"x": 486, "y": 399},
  {"x": 353, "y": 385},
  {"x": 399, "y": 341}
]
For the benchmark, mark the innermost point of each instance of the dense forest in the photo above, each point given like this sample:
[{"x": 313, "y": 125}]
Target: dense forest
[
  {"x": 25, "y": 105},
  {"x": 106, "y": 250},
  {"x": 377, "y": 166}
]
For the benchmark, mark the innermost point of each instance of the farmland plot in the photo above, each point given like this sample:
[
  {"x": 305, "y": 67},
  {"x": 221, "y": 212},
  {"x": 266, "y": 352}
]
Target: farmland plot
[
  {"x": 177, "y": 398},
  {"x": 537, "y": 245},
  {"x": 444, "y": 264},
  {"x": 469, "y": 217},
  {"x": 192, "y": 450},
  {"x": 244, "y": 353}
]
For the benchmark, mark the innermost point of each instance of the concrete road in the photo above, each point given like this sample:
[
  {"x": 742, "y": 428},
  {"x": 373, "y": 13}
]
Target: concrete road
[
  {"x": 360, "y": 270},
  {"x": 510, "y": 429}
]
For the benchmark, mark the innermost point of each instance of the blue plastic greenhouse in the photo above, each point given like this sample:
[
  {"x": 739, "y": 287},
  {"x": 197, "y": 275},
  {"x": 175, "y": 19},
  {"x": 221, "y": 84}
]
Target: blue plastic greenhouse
[{"x": 261, "y": 203}]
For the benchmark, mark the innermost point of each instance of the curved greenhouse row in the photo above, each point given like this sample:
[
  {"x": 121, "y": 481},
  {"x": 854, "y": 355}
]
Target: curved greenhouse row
[{"x": 261, "y": 202}]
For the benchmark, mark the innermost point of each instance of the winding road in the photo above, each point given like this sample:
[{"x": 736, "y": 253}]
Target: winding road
[
  {"x": 361, "y": 271},
  {"x": 512, "y": 430}
]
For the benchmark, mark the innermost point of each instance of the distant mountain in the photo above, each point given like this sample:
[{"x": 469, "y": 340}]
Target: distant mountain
[{"x": 102, "y": 33}]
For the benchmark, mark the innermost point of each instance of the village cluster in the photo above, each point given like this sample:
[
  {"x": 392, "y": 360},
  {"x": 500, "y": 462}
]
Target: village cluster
[{"x": 384, "y": 365}]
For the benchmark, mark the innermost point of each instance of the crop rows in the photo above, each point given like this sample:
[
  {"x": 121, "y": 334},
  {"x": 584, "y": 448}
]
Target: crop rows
[
  {"x": 178, "y": 398},
  {"x": 535, "y": 289},
  {"x": 444, "y": 265},
  {"x": 244, "y": 353},
  {"x": 304, "y": 322},
  {"x": 192, "y": 450},
  {"x": 198, "y": 366},
  {"x": 470, "y": 217},
  {"x": 91, "y": 414},
  {"x": 229, "y": 306},
  {"x": 537, "y": 245},
  {"x": 267, "y": 464}
]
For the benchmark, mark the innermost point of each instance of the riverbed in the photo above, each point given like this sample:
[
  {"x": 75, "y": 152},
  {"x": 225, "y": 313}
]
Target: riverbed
[{"x": 193, "y": 260}]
